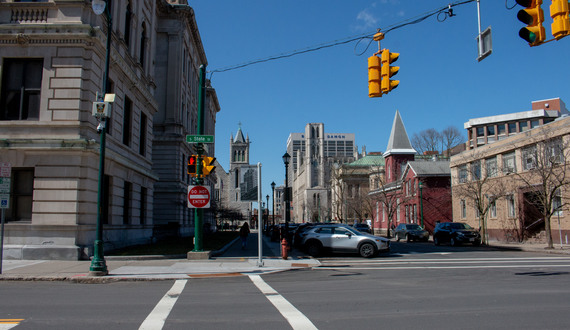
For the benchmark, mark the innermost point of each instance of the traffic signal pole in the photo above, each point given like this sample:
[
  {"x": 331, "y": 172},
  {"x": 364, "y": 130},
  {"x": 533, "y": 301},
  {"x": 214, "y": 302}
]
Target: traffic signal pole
[{"x": 199, "y": 212}]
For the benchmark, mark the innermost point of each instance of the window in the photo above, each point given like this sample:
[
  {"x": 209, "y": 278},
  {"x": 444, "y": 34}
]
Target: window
[
  {"x": 529, "y": 158},
  {"x": 126, "y": 202},
  {"x": 142, "y": 210},
  {"x": 480, "y": 131},
  {"x": 142, "y": 137},
  {"x": 534, "y": 123},
  {"x": 511, "y": 206},
  {"x": 490, "y": 130},
  {"x": 492, "y": 206},
  {"x": 553, "y": 151},
  {"x": 476, "y": 170},
  {"x": 512, "y": 128},
  {"x": 524, "y": 126},
  {"x": 463, "y": 174},
  {"x": 127, "y": 111},
  {"x": 491, "y": 167},
  {"x": 21, "y": 89},
  {"x": 128, "y": 17},
  {"x": 143, "y": 45},
  {"x": 509, "y": 164},
  {"x": 501, "y": 129},
  {"x": 22, "y": 195},
  {"x": 557, "y": 203},
  {"x": 463, "y": 209}
]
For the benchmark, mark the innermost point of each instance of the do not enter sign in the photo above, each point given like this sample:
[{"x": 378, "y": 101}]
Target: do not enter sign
[{"x": 198, "y": 197}]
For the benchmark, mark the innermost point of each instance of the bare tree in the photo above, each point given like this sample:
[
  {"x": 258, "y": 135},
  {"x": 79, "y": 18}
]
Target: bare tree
[
  {"x": 426, "y": 140},
  {"x": 545, "y": 174},
  {"x": 478, "y": 186},
  {"x": 451, "y": 136}
]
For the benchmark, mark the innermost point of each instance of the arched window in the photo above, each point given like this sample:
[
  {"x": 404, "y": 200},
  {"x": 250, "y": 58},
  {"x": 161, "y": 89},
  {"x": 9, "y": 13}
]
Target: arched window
[
  {"x": 143, "y": 44},
  {"x": 128, "y": 17}
]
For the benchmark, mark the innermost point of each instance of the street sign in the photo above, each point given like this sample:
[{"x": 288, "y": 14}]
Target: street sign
[
  {"x": 4, "y": 201},
  {"x": 5, "y": 170},
  {"x": 199, "y": 138},
  {"x": 198, "y": 197},
  {"x": 4, "y": 185}
]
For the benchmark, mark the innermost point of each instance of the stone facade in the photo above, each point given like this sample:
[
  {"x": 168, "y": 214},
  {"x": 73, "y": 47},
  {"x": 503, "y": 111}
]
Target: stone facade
[{"x": 50, "y": 138}]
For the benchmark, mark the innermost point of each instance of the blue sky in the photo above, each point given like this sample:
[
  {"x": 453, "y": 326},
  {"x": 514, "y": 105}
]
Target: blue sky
[{"x": 441, "y": 82}]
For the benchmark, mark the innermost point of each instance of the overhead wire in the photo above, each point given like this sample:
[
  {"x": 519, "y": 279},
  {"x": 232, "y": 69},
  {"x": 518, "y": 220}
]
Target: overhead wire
[{"x": 447, "y": 11}]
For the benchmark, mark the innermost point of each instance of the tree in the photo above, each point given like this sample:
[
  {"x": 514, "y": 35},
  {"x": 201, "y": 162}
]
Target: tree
[
  {"x": 478, "y": 186},
  {"x": 451, "y": 136},
  {"x": 545, "y": 173},
  {"x": 426, "y": 140}
]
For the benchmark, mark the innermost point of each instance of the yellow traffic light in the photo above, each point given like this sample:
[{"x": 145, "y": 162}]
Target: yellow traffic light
[
  {"x": 388, "y": 71},
  {"x": 559, "y": 11},
  {"x": 532, "y": 16},
  {"x": 208, "y": 165},
  {"x": 374, "y": 77},
  {"x": 192, "y": 165}
]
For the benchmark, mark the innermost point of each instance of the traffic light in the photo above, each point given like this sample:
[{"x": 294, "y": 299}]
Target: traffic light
[
  {"x": 388, "y": 71},
  {"x": 192, "y": 165},
  {"x": 208, "y": 165},
  {"x": 559, "y": 11},
  {"x": 374, "y": 77},
  {"x": 532, "y": 16}
]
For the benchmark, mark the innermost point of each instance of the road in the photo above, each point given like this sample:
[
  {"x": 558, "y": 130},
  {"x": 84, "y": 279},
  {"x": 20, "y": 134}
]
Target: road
[{"x": 414, "y": 287}]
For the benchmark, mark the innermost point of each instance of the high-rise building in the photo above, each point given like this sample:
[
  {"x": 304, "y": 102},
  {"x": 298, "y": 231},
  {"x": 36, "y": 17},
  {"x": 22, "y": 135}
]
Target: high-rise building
[{"x": 312, "y": 155}]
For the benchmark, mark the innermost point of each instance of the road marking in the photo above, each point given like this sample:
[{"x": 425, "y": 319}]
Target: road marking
[
  {"x": 441, "y": 267},
  {"x": 155, "y": 320},
  {"x": 6, "y": 324},
  {"x": 296, "y": 319}
]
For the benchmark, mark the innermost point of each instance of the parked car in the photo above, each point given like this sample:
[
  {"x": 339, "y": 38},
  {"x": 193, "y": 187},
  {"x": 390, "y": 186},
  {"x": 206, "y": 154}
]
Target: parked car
[
  {"x": 343, "y": 239},
  {"x": 410, "y": 232},
  {"x": 455, "y": 233},
  {"x": 362, "y": 227}
]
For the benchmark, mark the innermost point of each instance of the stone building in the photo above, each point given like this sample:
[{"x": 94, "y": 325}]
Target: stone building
[
  {"x": 52, "y": 66},
  {"x": 313, "y": 154},
  {"x": 507, "y": 187}
]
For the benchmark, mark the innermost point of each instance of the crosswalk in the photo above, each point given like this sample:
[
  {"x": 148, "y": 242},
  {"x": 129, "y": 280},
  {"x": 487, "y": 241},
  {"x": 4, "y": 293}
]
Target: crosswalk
[{"x": 446, "y": 263}]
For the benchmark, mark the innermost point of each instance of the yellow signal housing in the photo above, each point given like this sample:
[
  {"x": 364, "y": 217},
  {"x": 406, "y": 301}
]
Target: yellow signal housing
[
  {"x": 559, "y": 11},
  {"x": 374, "y": 77},
  {"x": 532, "y": 16},
  {"x": 388, "y": 70},
  {"x": 207, "y": 165}
]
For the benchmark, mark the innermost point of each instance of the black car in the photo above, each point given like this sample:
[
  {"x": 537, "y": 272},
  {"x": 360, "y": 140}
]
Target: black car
[
  {"x": 411, "y": 232},
  {"x": 362, "y": 227},
  {"x": 455, "y": 233}
]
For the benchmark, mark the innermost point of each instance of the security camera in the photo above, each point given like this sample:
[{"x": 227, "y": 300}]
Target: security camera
[{"x": 100, "y": 127}]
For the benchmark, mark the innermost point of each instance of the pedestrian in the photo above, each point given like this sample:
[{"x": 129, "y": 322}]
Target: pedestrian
[{"x": 243, "y": 233}]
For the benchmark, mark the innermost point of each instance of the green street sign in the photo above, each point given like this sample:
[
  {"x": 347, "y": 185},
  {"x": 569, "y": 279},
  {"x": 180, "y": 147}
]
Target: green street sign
[{"x": 199, "y": 138}]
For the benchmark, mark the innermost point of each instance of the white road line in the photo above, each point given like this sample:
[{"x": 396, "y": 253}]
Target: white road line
[
  {"x": 439, "y": 267},
  {"x": 155, "y": 320},
  {"x": 296, "y": 319}
]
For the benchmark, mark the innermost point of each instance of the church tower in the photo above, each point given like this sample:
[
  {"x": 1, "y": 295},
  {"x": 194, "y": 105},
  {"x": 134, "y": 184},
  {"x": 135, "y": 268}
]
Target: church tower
[{"x": 239, "y": 150}]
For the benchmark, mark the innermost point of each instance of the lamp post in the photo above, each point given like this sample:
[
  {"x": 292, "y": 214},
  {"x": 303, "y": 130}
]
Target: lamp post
[
  {"x": 273, "y": 194},
  {"x": 286, "y": 160},
  {"x": 421, "y": 203},
  {"x": 267, "y": 208},
  {"x": 98, "y": 265}
]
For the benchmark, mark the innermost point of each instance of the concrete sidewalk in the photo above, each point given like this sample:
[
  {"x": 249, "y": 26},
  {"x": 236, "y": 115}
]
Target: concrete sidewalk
[{"x": 233, "y": 261}]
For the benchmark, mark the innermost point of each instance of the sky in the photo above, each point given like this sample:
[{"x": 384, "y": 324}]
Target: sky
[{"x": 441, "y": 82}]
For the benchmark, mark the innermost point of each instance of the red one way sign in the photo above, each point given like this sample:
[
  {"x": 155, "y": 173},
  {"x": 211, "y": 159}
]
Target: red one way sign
[{"x": 198, "y": 197}]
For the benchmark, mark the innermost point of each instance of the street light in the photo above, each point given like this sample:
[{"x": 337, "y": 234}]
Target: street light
[
  {"x": 267, "y": 208},
  {"x": 286, "y": 160},
  {"x": 273, "y": 194},
  {"x": 98, "y": 265}
]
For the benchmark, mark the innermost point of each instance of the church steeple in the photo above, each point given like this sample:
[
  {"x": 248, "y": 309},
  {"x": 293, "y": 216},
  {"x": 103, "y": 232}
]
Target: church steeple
[
  {"x": 399, "y": 150},
  {"x": 239, "y": 149}
]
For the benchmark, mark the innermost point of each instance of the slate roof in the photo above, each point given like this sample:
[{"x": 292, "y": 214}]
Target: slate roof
[
  {"x": 430, "y": 168},
  {"x": 399, "y": 143}
]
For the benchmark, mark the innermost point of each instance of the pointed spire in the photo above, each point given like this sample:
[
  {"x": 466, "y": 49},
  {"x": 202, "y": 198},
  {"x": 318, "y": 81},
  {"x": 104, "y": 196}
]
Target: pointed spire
[
  {"x": 399, "y": 143},
  {"x": 239, "y": 136}
]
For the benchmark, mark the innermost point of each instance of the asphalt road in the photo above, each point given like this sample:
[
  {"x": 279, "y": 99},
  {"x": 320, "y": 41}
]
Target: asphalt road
[{"x": 414, "y": 287}]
